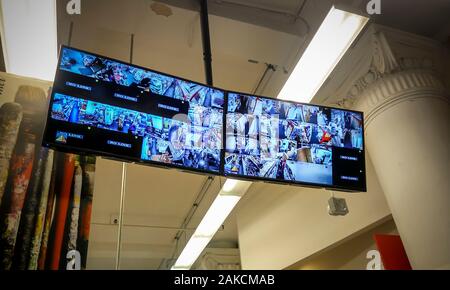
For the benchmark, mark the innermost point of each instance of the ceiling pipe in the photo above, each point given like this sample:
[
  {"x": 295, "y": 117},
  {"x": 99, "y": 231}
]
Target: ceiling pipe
[
  {"x": 156, "y": 227},
  {"x": 207, "y": 59}
]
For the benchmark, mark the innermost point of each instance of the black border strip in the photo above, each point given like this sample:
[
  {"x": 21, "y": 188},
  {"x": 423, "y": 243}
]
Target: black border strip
[
  {"x": 305, "y": 184},
  {"x": 121, "y": 158}
]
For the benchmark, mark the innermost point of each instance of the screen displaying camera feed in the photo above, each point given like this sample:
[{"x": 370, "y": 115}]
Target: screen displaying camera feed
[
  {"x": 110, "y": 108},
  {"x": 291, "y": 142}
]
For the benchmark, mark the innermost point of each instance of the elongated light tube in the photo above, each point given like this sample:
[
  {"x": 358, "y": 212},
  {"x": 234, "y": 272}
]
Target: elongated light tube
[
  {"x": 334, "y": 36},
  {"x": 219, "y": 210}
]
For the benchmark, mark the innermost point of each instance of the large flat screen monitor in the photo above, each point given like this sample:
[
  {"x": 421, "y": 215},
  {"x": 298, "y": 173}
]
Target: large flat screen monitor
[
  {"x": 107, "y": 107},
  {"x": 280, "y": 141}
]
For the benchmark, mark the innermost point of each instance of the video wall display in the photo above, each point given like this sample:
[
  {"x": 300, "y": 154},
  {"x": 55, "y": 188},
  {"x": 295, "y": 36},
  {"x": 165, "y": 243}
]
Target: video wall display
[
  {"x": 296, "y": 143},
  {"x": 107, "y": 107}
]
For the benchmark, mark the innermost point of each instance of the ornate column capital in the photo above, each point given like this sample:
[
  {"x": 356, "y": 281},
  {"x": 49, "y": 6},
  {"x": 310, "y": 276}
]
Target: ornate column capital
[
  {"x": 392, "y": 79},
  {"x": 375, "y": 92}
]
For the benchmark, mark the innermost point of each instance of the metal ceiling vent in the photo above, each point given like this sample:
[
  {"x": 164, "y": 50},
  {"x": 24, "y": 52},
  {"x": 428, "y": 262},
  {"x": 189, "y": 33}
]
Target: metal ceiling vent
[{"x": 161, "y": 9}]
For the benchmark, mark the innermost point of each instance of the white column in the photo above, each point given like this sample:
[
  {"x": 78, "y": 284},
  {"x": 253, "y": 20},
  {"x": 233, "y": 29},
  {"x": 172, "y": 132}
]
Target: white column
[{"x": 407, "y": 136}]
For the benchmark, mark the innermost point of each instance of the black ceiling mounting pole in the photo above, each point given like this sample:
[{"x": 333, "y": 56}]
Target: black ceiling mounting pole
[{"x": 206, "y": 41}]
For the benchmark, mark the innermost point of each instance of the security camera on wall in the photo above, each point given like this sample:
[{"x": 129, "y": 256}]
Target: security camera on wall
[{"x": 337, "y": 206}]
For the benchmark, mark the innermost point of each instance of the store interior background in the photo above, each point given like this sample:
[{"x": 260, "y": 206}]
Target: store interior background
[{"x": 273, "y": 226}]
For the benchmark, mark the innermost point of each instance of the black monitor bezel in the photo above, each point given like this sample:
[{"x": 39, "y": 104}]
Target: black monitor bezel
[
  {"x": 122, "y": 158},
  {"x": 289, "y": 182},
  {"x": 221, "y": 171}
]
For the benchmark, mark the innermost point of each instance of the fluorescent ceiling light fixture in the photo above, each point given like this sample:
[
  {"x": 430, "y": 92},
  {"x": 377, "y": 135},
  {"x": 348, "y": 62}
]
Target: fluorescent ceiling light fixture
[
  {"x": 216, "y": 215},
  {"x": 211, "y": 222},
  {"x": 29, "y": 37},
  {"x": 229, "y": 185},
  {"x": 190, "y": 253},
  {"x": 226, "y": 200},
  {"x": 334, "y": 36}
]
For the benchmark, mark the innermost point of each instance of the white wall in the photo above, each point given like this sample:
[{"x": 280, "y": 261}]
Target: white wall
[
  {"x": 349, "y": 255},
  {"x": 280, "y": 225}
]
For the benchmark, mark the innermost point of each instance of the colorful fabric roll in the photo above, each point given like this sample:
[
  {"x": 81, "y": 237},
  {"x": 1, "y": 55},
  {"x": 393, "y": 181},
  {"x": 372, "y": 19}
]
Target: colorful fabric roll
[
  {"x": 49, "y": 211},
  {"x": 41, "y": 212},
  {"x": 10, "y": 118},
  {"x": 21, "y": 168},
  {"x": 86, "y": 208},
  {"x": 73, "y": 229},
  {"x": 26, "y": 229},
  {"x": 62, "y": 205}
]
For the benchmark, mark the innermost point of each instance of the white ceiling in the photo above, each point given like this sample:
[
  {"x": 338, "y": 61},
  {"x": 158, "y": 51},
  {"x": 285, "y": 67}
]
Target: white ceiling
[
  {"x": 157, "y": 199},
  {"x": 426, "y": 18},
  {"x": 156, "y": 204}
]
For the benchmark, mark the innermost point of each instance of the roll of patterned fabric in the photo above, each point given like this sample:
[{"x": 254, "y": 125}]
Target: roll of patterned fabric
[
  {"x": 86, "y": 208},
  {"x": 33, "y": 101},
  {"x": 49, "y": 211},
  {"x": 41, "y": 212},
  {"x": 75, "y": 214},
  {"x": 26, "y": 229},
  {"x": 62, "y": 206},
  {"x": 10, "y": 118},
  {"x": 21, "y": 168}
]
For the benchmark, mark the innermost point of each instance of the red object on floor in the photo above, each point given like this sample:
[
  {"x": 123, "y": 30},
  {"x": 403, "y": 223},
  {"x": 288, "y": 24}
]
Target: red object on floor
[{"x": 392, "y": 252}]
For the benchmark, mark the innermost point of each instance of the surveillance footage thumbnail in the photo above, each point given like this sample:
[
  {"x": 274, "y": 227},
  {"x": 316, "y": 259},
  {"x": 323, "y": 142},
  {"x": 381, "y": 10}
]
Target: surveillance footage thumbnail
[
  {"x": 279, "y": 140},
  {"x": 167, "y": 140},
  {"x": 107, "y": 107},
  {"x": 118, "y": 73}
]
